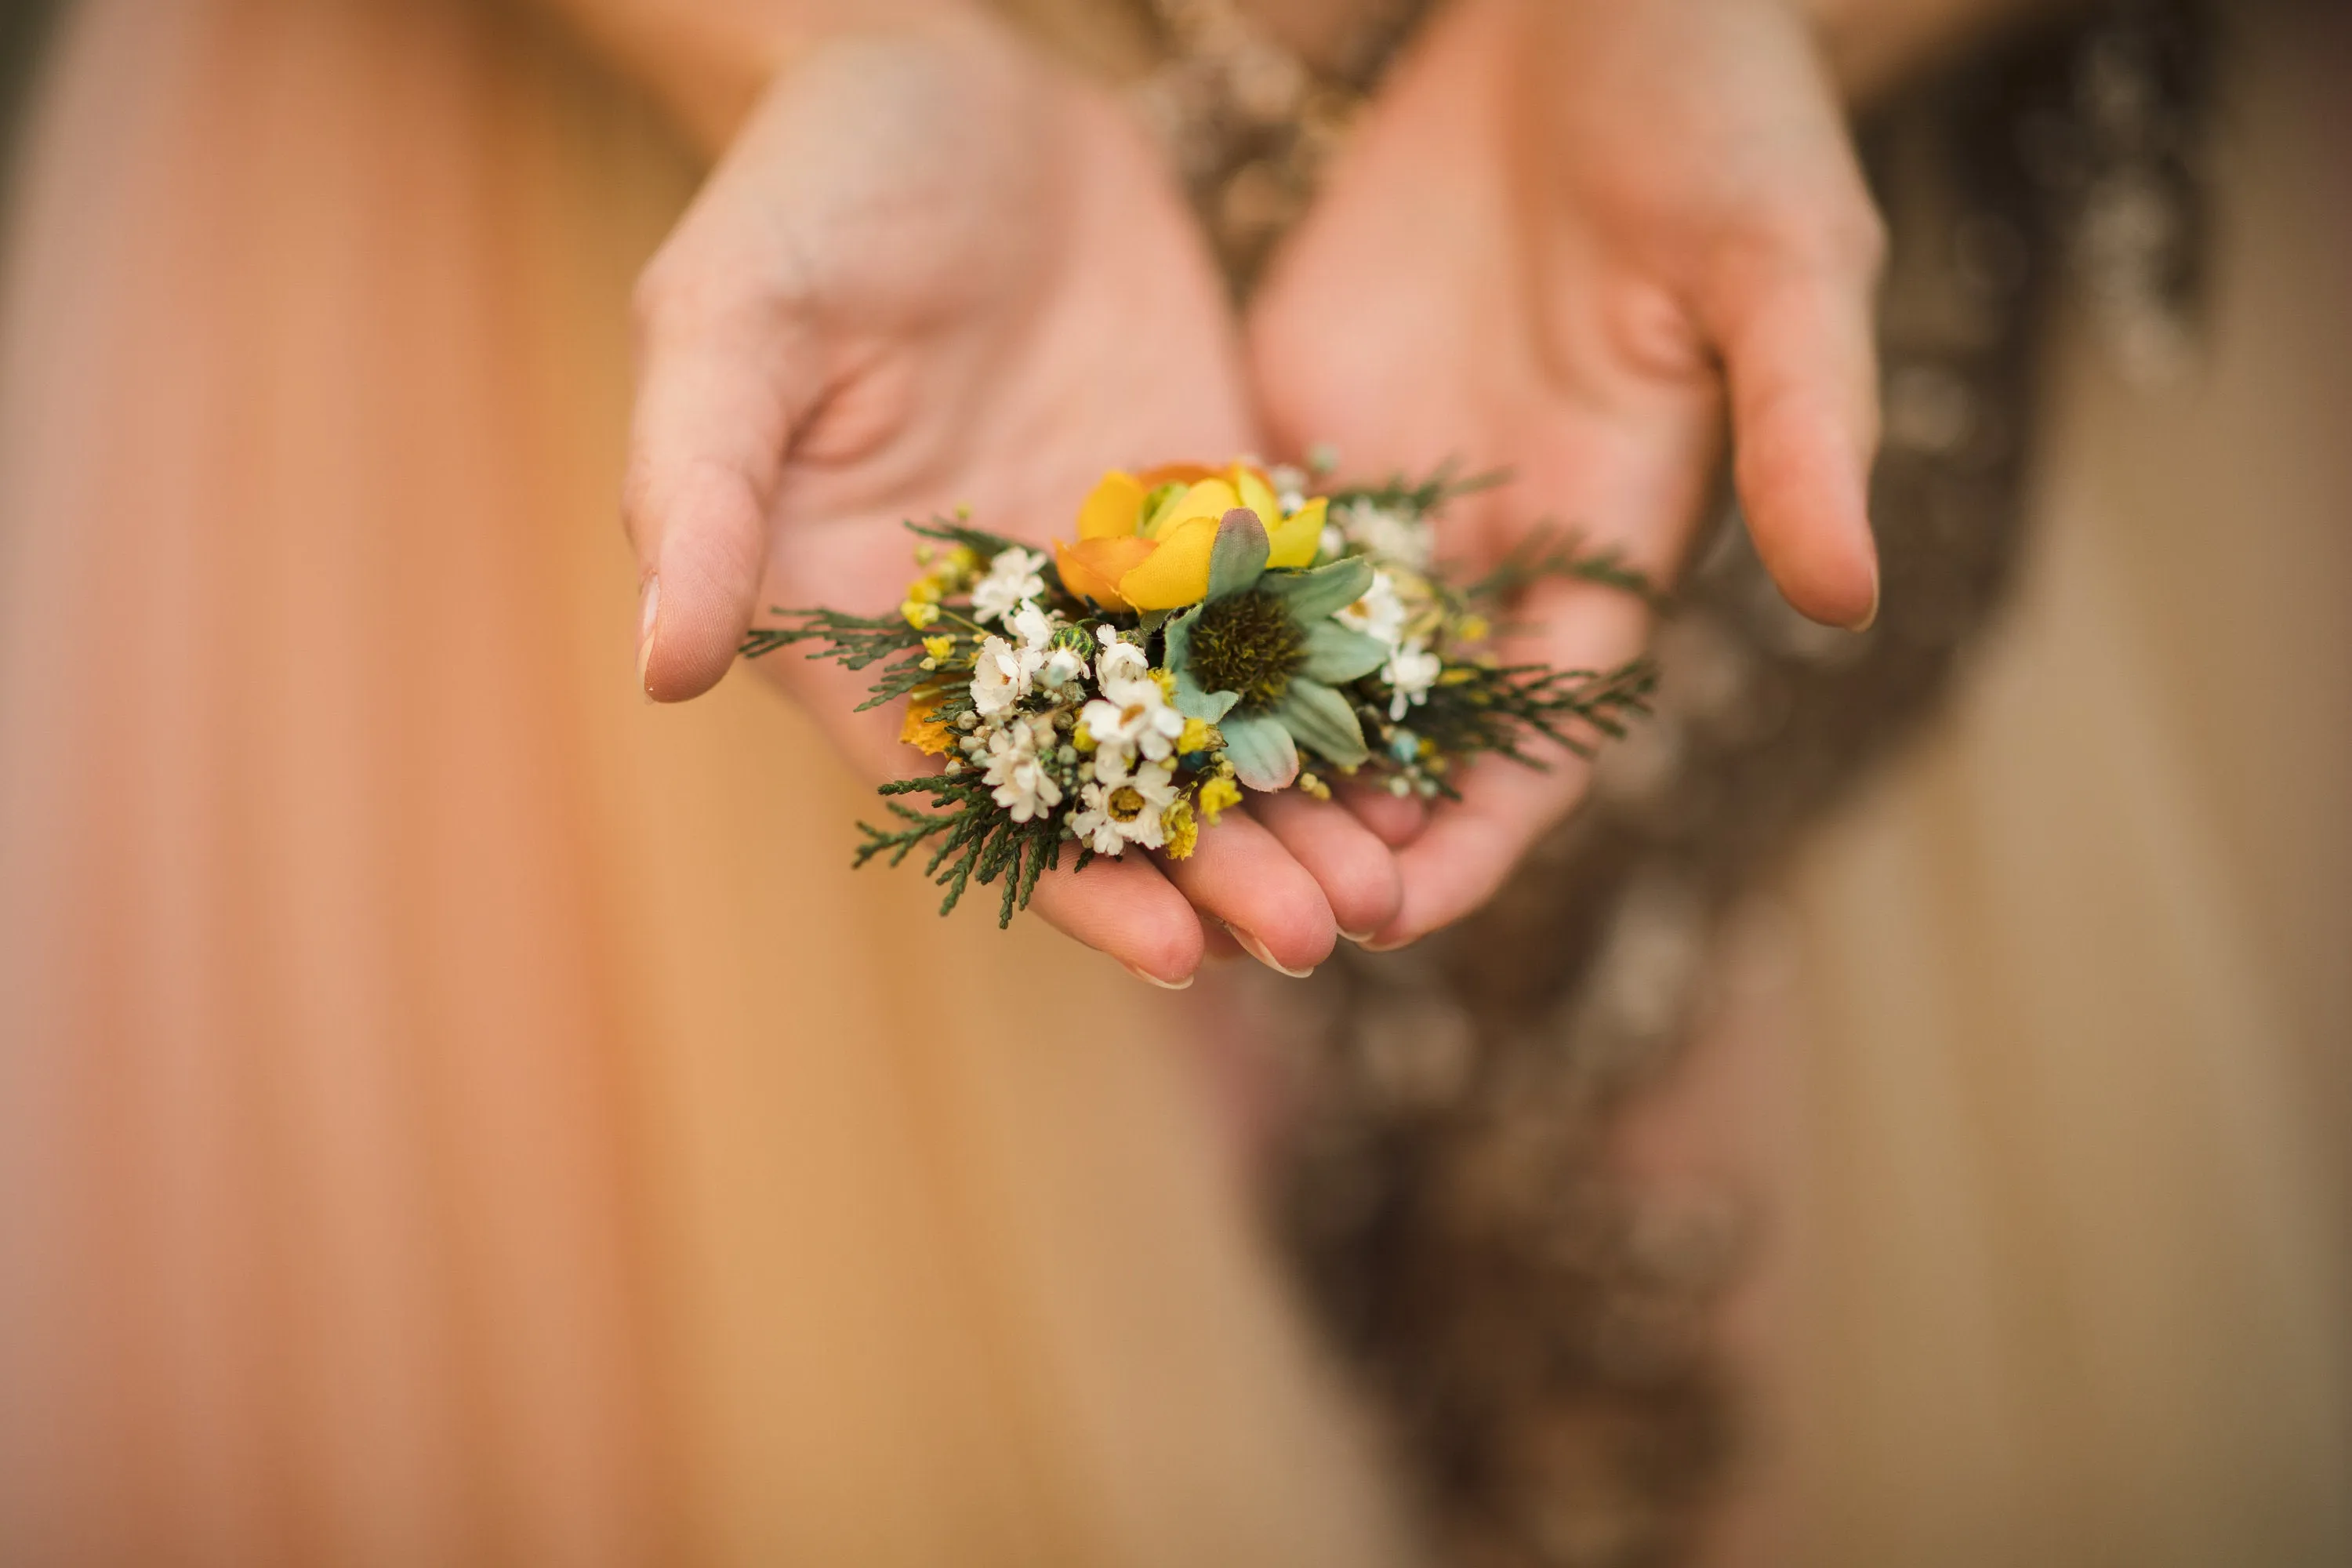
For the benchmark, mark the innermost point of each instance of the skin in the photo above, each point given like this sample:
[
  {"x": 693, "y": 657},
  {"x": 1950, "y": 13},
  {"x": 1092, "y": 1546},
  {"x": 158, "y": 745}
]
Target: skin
[
  {"x": 1584, "y": 240},
  {"x": 1580, "y": 239},
  {"x": 928, "y": 272}
]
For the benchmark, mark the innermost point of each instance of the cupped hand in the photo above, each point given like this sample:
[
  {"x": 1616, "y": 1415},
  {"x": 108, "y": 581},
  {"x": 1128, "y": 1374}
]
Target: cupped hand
[
  {"x": 930, "y": 272},
  {"x": 1570, "y": 237}
]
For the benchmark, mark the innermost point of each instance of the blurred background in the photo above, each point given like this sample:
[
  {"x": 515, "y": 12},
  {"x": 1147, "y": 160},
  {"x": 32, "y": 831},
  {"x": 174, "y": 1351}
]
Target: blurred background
[{"x": 451, "y": 1111}]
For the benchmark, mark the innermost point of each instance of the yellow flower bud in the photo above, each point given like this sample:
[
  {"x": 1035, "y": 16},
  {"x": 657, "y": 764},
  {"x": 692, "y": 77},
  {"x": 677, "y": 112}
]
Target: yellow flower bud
[
  {"x": 920, "y": 612},
  {"x": 938, "y": 646},
  {"x": 1183, "y": 832},
  {"x": 1217, "y": 796},
  {"x": 1199, "y": 736}
]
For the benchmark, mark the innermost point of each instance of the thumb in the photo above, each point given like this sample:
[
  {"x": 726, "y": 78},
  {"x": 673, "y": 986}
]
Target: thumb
[{"x": 720, "y": 390}]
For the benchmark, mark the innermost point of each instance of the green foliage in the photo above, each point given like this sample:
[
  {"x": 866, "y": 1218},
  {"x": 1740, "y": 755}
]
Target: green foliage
[
  {"x": 980, "y": 840},
  {"x": 1493, "y": 708},
  {"x": 1424, "y": 497},
  {"x": 1548, "y": 551}
]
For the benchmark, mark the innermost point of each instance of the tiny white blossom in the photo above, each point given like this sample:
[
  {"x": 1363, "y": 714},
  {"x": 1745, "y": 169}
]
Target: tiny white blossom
[
  {"x": 1379, "y": 613},
  {"x": 1385, "y": 532},
  {"x": 1002, "y": 675},
  {"x": 1134, "y": 716},
  {"x": 1016, "y": 773},
  {"x": 1289, "y": 482},
  {"x": 1410, "y": 672},
  {"x": 1119, "y": 659},
  {"x": 1115, "y": 813},
  {"x": 1012, "y": 577},
  {"x": 1032, "y": 626}
]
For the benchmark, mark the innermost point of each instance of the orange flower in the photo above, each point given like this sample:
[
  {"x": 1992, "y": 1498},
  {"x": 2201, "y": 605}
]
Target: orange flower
[
  {"x": 921, "y": 730},
  {"x": 1144, "y": 540}
]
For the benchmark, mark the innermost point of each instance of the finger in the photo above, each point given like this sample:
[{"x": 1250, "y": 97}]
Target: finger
[
  {"x": 1124, "y": 907},
  {"x": 1797, "y": 341},
  {"x": 722, "y": 382},
  {"x": 1470, "y": 845},
  {"x": 1241, "y": 874},
  {"x": 1394, "y": 819},
  {"x": 1356, "y": 871}
]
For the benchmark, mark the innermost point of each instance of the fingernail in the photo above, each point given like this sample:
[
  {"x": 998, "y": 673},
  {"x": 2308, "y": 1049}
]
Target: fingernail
[
  {"x": 1145, "y": 974},
  {"x": 1257, "y": 950},
  {"x": 1361, "y": 937},
  {"x": 1385, "y": 946},
  {"x": 645, "y": 615},
  {"x": 1870, "y": 615}
]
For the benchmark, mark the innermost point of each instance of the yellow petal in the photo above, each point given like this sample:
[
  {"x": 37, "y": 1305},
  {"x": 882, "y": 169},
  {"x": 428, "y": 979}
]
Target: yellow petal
[
  {"x": 1295, "y": 538},
  {"x": 1210, "y": 498},
  {"x": 1091, "y": 568},
  {"x": 1110, "y": 508},
  {"x": 1176, "y": 573},
  {"x": 1256, "y": 492}
]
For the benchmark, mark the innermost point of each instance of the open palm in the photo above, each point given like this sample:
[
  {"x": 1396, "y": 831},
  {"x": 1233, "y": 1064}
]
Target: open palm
[
  {"x": 1566, "y": 239},
  {"x": 930, "y": 272}
]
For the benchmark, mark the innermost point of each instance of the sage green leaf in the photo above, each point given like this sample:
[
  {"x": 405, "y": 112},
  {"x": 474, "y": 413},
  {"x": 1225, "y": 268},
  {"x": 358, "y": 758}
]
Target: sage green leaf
[
  {"x": 1323, "y": 720},
  {"x": 1261, "y": 751},
  {"x": 1312, "y": 595},
  {"x": 1195, "y": 701},
  {"x": 1238, "y": 558},
  {"x": 1336, "y": 655}
]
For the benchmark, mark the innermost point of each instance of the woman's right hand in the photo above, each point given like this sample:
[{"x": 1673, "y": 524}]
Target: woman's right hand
[{"x": 930, "y": 272}]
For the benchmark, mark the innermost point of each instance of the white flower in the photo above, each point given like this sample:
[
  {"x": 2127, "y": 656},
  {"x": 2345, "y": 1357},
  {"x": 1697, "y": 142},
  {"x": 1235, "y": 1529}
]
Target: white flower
[
  {"x": 1016, "y": 772},
  {"x": 1289, "y": 487},
  {"x": 1379, "y": 613},
  {"x": 1002, "y": 675},
  {"x": 1385, "y": 532},
  {"x": 1037, "y": 629},
  {"x": 1033, "y": 626},
  {"x": 1125, "y": 810},
  {"x": 1012, "y": 577},
  {"x": 1119, "y": 659},
  {"x": 1410, "y": 672},
  {"x": 1133, "y": 716}
]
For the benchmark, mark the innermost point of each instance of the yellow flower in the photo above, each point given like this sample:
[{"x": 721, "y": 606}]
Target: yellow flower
[
  {"x": 1144, "y": 540},
  {"x": 1216, "y": 796},
  {"x": 920, "y": 612},
  {"x": 1199, "y": 736},
  {"x": 921, "y": 730},
  {"x": 1182, "y": 831},
  {"x": 938, "y": 646}
]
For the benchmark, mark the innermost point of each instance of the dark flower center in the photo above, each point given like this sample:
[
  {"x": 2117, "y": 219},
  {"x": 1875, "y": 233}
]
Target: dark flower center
[
  {"x": 1247, "y": 644},
  {"x": 1126, "y": 802}
]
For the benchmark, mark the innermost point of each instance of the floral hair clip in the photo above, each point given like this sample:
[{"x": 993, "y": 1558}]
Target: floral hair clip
[{"x": 1210, "y": 631}]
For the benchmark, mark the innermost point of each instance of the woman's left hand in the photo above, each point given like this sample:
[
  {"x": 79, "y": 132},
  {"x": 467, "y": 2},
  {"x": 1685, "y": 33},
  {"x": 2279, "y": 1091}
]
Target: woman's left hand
[{"x": 1567, "y": 237}]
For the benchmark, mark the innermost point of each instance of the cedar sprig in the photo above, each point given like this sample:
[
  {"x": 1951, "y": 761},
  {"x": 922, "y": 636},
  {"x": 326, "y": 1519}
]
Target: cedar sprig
[
  {"x": 1489, "y": 708},
  {"x": 1551, "y": 551},
  {"x": 980, "y": 842},
  {"x": 1425, "y": 497}
]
